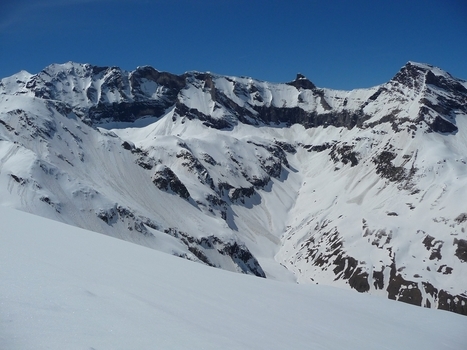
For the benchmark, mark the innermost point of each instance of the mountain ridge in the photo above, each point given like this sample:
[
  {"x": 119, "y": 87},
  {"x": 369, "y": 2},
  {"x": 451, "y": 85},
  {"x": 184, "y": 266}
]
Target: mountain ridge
[{"x": 279, "y": 180}]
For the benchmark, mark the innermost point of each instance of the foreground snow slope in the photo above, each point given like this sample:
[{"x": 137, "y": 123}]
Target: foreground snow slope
[{"x": 67, "y": 288}]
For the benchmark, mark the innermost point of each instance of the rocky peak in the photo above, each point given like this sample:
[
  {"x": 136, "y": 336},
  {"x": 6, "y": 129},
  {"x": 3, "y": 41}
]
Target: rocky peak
[
  {"x": 302, "y": 82},
  {"x": 412, "y": 75}
]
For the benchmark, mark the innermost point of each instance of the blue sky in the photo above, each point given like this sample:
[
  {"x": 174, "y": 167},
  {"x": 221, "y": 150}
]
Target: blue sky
[{"x": 337, "y": 44}]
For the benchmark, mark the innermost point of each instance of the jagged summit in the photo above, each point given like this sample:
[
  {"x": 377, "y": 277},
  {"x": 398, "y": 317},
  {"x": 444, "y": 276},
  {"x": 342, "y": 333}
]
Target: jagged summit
[
  {"x": 300, "y": 76},
  {"x": 302, "y": 82},
  {"x": 414, "y": 75},
  {"x": 411, "y": 75},
  {"x": 360, "y": 189}
]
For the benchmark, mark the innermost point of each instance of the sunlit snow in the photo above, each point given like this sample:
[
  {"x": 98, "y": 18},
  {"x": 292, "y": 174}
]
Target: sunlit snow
[{"x": 67, "y": 288}]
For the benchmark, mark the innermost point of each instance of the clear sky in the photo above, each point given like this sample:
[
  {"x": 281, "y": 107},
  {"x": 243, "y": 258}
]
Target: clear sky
[{"x": 341, "y": 44}]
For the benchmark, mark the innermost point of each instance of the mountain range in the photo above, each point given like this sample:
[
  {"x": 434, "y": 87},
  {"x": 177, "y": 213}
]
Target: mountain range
[{"x": 360, "y": 189}]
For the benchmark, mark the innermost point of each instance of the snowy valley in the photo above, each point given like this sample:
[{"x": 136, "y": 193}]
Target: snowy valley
[{"x": 360, "y": 189}]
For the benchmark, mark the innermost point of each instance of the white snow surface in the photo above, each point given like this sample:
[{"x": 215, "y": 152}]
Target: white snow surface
[{"x": 68, "y": 288}]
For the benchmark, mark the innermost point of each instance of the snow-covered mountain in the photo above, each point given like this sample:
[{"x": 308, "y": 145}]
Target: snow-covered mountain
[{"x": 360, "y": 189}]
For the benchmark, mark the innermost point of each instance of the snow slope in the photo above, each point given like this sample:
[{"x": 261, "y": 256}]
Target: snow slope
[{"x": 67, "y": 288}]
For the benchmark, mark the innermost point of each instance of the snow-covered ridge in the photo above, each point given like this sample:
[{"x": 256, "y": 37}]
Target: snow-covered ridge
[
  {"x": 360, "y": 189},
  {"x": 104, "y": 94}
]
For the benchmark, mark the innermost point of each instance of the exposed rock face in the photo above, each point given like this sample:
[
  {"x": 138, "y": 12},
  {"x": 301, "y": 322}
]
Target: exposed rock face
[
  {"x": 301, "y": 82},
  {"x": 165, "y": 179},
  {"x": 359, "y": 189},
  {"x": 461, "y": 250}
]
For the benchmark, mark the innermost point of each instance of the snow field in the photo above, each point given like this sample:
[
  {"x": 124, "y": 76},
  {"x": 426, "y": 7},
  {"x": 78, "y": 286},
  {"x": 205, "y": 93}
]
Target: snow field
[{"x": 64, "y": 287}]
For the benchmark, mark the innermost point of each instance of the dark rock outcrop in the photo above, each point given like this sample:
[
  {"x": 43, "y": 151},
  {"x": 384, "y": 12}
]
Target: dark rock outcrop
[{"x": 165, "y": 179}]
